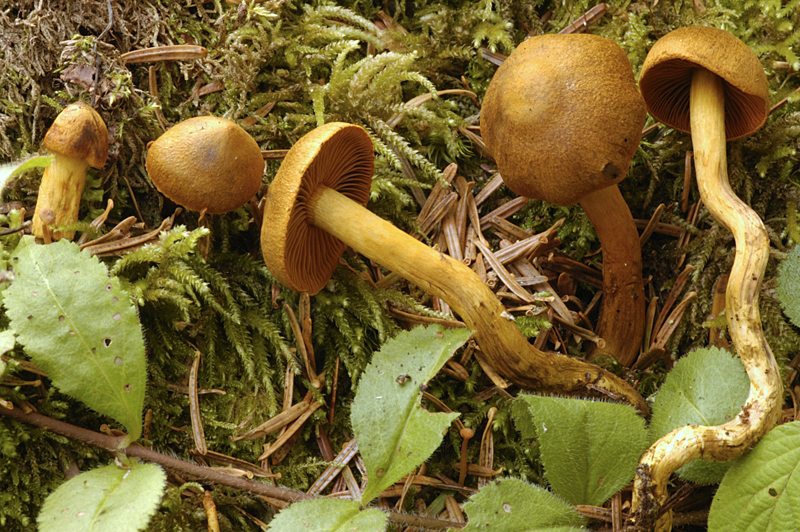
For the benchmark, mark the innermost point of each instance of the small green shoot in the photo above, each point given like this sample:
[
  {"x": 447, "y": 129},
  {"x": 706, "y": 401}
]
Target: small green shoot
[
  {"x": 394, "y": 433},
  {"x": 761, "y": 490},
  {"x": 107, "y": 499},
  {"x": 80, "y": 327},
  {"x": 513, "y": 505},
  {"x": 7, "y": 171},
  {"x": 328, "y": 515},
  {"x": 589, "y": 449},
  {"x": 706, "y": 387}
]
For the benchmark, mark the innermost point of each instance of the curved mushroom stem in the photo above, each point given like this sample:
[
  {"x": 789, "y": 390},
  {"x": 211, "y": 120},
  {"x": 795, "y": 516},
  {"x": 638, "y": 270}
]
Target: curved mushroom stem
[
  {"x": 499, "y": 337},
  {"x": 762, "y": 409},
  {"x": 622, "y": 317},
  {"x": 61, "y": 190}
]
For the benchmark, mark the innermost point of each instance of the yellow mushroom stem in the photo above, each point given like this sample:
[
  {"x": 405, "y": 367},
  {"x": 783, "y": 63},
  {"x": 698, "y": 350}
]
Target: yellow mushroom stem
[
  {"x": 61, "y": 191},
  {"x": 500, "y": 339},
  {"x": 622, "y": 318},
  {"x": 763, "y": 407}
]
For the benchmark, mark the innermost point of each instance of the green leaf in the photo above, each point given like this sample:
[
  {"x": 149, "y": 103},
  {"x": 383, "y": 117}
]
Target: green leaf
[
  {"x": 589, "y": 449},
  {"x": 108, "y": 499},
  {"x": 706, "y": 387},
  {"x": 394, "y": 433},
  {"x": 328, "y": 515},
  {"x": 789, "y": 285},
  {"x": 513, "y": 505},
  {"x": 7, "y": 342},
  {"x": 761, "y": 491},
  {"x": 80, "y": 327},
  {"x": 7, "y": 171}
]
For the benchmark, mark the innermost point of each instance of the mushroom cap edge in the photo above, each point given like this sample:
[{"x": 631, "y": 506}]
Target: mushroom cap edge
[
  {"x": 666, "y": 78},
  {"x": 337, "y": 155}
]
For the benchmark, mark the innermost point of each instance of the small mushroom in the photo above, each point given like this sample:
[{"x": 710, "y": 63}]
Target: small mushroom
[
  {"x": 78, "y": 139},
  {"x": 707, "y": 82},
  {"x": 206, "y": 163},
  {"x": 315, "y": 209},
  {"x": 563, "y": 118}
]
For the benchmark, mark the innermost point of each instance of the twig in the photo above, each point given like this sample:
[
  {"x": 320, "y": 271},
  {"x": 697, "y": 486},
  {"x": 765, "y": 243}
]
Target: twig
[{"x": 111, "y": 443}]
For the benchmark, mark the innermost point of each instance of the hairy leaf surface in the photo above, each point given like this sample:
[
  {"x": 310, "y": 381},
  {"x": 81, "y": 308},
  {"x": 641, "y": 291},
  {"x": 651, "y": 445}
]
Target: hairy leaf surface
[
  {"x": 80, "y": 327},
  {"x": 108, "y": 499},
  {"x": 706, "y": 387},
  {"x": 513, "y": 505},
  {"x": 761, "y": 491},
  {"x": 789, "y": 285},
  {"x": 394, "y": 433},
  {"x": 589, "y": 449},
  {"x": 328, "y": 515}
]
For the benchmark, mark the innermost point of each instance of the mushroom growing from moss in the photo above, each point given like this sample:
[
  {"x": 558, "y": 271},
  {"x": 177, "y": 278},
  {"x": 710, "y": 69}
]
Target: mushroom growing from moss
[
  {"x": 707, "y": 82},
  {"x": 315, "y": 209},
  {"x": 206, "y": 163},
  {"x": 78, "y": 139},
  {"x": 563, "y": 118}
]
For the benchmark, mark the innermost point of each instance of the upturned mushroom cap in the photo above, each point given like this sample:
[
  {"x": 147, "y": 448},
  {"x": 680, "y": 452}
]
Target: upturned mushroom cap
[
  {"x": 78, "y": 131},
  {"x": 667, "y": 76},
  {"x": 336, "y": 155},
  {"x": 206, "y": 162},
  {"x": 562, "y": 117}
]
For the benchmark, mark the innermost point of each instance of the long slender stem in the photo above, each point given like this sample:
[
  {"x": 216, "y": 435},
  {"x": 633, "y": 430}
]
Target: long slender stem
[
  {"x": 762, "y": 409},
  {"x": 111, "y": 443},
  {"x": 497, "y": 334},
  {"x": 622, "y": 320}
]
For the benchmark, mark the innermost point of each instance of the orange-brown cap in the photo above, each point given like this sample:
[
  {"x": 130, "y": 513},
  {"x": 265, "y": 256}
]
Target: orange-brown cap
[
  {"x": 78, "y": 131},
  {"x": 562, "y": 117},
  {"x": 338, "y": 156},
  {"x": 206, "y": 162},
  {"x": 667, "y": 77}
]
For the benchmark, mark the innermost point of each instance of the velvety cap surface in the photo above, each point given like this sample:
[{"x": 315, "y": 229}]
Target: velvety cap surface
[
  {"x": 563, "y": 117},
  {"x": 78, "y": 131},
  {"x": 336, "y": 155},
  {"x": 208, "y": 163},
  {"x": 666, "y": 79}
]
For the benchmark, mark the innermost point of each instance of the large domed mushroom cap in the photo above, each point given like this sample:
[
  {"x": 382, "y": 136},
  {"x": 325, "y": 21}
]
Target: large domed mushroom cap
[
  {"x": 206, "y": 162},
  {"x": 562, "y": 117},
  {"x": 667, "y": 76},
  {"x": 336, "y": 155}
]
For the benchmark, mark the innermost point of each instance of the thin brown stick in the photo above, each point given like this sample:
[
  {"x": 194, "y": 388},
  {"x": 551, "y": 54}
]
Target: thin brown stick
[
  {"x": 488, "y": 189},
  {"x": 198, "y": 433},
  {"x": 504, "y": 211},
  {"x": 651, "y": 225},
  {"x": 687, "y": 181},
  {"x": 111, "y": 444}
]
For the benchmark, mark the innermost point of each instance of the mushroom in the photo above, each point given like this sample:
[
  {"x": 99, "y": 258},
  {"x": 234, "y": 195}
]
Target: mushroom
[
  {"x": 206, "y": 163},
  {"x": 563, "y": 118},
  {"x": 315, "y": 209},
  {"x": 706, "y": 82},
  {"x": 78, "y": 139}
]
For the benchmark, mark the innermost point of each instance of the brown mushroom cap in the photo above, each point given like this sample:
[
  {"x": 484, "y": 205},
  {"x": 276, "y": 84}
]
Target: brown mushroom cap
[
  {"x": 206, "y": 162},
  {"x": 667, "y": 76},
  {"x": 78, "y": 131},
  {"x": 562, "y": 117},
  {"x": 336, "y": 155}
]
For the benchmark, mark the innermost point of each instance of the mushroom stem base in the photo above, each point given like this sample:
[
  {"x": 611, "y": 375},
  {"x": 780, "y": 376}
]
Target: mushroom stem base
[
  {"x": 500, "y": 339},
  {"x": 622, "y": 317},
  {"x": 763, "y": 407},
  {"x": 61, "y": 191}
]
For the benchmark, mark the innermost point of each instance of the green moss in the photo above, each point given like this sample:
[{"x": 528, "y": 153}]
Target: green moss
[{"x": 319, "y": 62}]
